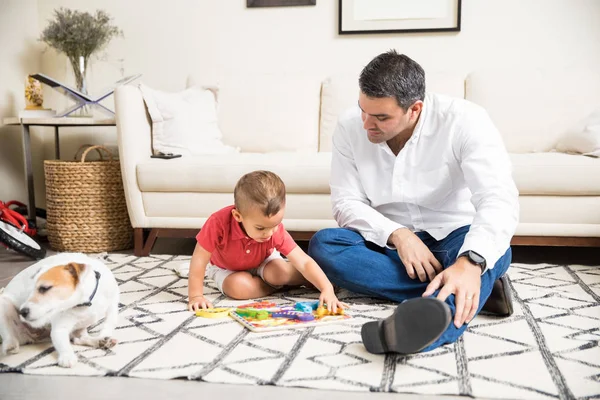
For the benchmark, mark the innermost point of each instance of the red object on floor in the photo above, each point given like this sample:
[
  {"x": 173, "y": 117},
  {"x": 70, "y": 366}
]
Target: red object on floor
[{"x": 12, "y": 217}]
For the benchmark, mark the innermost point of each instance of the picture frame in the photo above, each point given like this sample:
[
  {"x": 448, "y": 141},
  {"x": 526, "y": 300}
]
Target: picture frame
[
  {"x": 279, "y": 3},
  {"x": 398, "y": 16}
]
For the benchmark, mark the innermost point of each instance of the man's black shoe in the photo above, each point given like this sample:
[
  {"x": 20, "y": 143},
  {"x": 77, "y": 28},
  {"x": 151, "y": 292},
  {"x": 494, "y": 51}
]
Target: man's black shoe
[
  {"x": 500, "y": 301},
  {"x": 414, "y": 325}
]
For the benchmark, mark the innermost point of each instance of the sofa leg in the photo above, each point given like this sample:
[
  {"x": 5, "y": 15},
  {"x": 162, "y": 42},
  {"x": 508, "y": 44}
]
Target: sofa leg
[
  {"x": 150, "y": 242},
  {"x": 142, "y": 248},
  {"x": 138, "y": 241}
]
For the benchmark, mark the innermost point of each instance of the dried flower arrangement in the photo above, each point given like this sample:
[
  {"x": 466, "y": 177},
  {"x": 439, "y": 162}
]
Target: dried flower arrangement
[{"x": 79, "y": 35}]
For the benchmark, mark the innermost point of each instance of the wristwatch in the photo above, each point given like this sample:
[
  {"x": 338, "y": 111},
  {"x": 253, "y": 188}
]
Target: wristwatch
[{"x": 474, "y": 258}]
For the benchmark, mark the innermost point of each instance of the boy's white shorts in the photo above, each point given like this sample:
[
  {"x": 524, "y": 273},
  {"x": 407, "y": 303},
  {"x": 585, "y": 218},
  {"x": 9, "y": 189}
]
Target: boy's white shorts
[{"x": 218, "y": 274}]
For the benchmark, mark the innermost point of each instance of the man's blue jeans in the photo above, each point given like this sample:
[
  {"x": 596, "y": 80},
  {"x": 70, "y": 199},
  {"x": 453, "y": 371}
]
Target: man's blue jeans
[{"x": 363, "y": 267}]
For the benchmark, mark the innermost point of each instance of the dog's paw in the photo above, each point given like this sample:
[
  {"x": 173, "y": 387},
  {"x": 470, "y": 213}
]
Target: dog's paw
[
  {"x": 107, "y": 343},
  {"x": 67, "y": 360}
]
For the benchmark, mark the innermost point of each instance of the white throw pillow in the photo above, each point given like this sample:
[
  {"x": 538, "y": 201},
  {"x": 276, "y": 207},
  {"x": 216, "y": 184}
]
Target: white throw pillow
[
  {"x": 184, "y": 122},
  {"x": 584, "y": 139}
]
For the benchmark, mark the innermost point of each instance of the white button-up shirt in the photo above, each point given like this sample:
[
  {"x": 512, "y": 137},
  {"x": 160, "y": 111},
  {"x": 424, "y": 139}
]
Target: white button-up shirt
[{"x": 453, "y": 171}]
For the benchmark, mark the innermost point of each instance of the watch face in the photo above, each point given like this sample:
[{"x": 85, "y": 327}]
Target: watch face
[{"x": 476, "y": 257}]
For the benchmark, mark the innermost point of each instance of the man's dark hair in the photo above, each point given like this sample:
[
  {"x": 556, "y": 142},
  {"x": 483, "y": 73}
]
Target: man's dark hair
[
  {"x": 262, "y": 189},
  {"x": 393, "y": 75}
]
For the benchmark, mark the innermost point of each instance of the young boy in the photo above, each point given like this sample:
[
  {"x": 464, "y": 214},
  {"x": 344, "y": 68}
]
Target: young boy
[{"x": 240, "y": 247}]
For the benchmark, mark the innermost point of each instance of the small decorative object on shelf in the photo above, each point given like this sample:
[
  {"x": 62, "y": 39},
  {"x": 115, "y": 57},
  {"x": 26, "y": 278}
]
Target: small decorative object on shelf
[
  {"x": 34, "y": 98},
  {"x": 34, "y": 101},
  {"x": 79, "y": 35}
]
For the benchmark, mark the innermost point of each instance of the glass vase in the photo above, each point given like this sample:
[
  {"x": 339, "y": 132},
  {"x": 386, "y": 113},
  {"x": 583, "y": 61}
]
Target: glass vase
[{"x": 79, "y": 65}]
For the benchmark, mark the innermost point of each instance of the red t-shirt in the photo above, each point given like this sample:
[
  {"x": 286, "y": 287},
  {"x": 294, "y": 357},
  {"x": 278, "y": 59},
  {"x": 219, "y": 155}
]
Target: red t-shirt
[{"x": 232, "y": 249}]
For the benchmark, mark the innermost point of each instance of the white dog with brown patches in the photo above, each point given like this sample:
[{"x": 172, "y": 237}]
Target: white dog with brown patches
[{"x": 60, "y": 297}]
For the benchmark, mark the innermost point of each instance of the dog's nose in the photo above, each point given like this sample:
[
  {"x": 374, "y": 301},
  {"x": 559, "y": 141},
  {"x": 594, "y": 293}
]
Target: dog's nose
[{"x": 24, "y": 312}]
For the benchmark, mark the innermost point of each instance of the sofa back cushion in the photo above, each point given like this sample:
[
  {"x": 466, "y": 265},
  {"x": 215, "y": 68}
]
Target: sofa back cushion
[
  {"x": 340, "y": 92},
  {"x": 184, "y": 122},
  {"x": 533, "y": 108},
  {"x": 266, "y": 113}
]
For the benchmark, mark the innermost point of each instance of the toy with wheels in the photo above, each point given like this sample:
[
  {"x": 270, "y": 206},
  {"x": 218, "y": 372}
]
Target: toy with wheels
[{"x": 16, "y": 232}]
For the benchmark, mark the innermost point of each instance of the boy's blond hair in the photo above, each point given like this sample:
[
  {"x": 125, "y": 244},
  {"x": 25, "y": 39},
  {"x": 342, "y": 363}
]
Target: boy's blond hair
[{"x": 262, "y": 189}]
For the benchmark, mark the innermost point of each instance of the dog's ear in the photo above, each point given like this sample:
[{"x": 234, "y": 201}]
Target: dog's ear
[{"x": 76, "y": 270}]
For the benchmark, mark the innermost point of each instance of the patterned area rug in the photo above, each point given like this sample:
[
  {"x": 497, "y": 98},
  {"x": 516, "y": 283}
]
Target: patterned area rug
[{"x": 547, "y": 349}]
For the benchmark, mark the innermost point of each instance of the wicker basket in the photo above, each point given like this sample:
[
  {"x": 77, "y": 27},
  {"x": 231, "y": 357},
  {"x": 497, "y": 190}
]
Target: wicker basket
[{"x": 85, "y": 201}]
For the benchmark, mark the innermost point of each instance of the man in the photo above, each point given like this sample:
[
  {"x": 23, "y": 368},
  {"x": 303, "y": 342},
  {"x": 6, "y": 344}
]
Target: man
[{"x": 421, "y": 187}]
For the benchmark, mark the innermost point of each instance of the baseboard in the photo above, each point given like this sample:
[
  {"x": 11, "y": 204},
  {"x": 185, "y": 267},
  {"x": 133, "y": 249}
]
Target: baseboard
[
  {"x": 146, "y": 237},
  {"x": 561, "y": 241}
]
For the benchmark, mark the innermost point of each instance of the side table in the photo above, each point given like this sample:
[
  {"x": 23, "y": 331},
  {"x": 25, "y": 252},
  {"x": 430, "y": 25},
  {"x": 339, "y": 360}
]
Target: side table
[{"x": 56, "y": 123}]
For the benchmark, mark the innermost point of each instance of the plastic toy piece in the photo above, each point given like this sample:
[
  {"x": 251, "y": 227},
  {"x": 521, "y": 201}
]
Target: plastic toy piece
[
  {"x": 261, "y": 304},
  {"x": 305, "y": 317},
  {"x": 246, "y": 312},
  {"x": 283, "y": 314},
  {"x": 262, "y": 314},
  {"x": 322, "y": 312},
  {"x": 300, "y": 316},
  {"x": 307, "y": 306},
  {"x": 213, "y": 312}
]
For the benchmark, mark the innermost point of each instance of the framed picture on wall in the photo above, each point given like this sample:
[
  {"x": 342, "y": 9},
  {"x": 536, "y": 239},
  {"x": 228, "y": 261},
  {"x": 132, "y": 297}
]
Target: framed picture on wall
[
  {"x": 398, "y": 16},
  {"x": 279, "y": 3}
]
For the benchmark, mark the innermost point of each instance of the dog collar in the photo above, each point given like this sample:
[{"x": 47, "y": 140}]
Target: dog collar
[{"x": 89, "y": 302}]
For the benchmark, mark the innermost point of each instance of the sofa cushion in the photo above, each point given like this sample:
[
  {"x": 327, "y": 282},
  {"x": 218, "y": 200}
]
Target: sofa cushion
[
  {"x": 264, "y": 113},
  {"x": 535, "y": 174},
  {"x": 556, "y": 174},
  {"x": 184, "y": 122},
  {"x": 583, "y": 138},
  {"x": 301, "y": 173},
  {"x": 340, "y": 92},
  {"x": 533, "y": 108}
]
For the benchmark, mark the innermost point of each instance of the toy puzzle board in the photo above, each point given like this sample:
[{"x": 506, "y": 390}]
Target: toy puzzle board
[{"x": 278, "y": 324}]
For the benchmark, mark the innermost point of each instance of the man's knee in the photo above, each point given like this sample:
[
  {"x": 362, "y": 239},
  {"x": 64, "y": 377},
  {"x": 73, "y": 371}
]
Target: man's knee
[
  {"x": 333, "y": 237},
  {"x": 324, "y": 236},
  {"x": 319, "y": 242}
]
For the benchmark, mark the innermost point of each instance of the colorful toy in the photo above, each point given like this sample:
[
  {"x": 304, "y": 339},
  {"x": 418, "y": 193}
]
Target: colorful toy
[
  {"x": 260, "y": 304},
  {"x": 262, "y": 314},
  {"x": 307, "y": 306},
  {"x": 322, "y": 311},
  {"x": 265, "y": 316},
  {"x": 213, "y": 312},
  {"x": 246, "y": 312},
  {"x": 300, "y": 316}
]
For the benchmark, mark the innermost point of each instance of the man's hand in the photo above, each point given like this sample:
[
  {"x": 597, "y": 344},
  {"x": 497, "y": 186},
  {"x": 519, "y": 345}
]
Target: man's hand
[
  {"x": 462, "y": 279},
  {"x": 198, "y": 302},
  {"x": 415, "y": 256}
]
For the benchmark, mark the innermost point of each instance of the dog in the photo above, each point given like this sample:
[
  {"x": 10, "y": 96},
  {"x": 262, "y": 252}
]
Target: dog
[{"x": 60, "y": 297}]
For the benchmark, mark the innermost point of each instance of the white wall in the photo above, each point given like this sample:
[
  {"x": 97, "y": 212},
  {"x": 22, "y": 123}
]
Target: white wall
[
  {"x": 19, "y": 56},
  {"x": 167, "y": 40}
]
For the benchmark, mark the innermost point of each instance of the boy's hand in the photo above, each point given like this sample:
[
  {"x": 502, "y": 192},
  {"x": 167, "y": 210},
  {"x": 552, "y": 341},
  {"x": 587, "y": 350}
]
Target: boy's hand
[
  {"x": 198, "y": 302},
  {"x": 328, "y": 297}
]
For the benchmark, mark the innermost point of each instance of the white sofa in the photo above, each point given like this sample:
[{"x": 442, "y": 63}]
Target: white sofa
[{"x": 284, "y": 124}]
